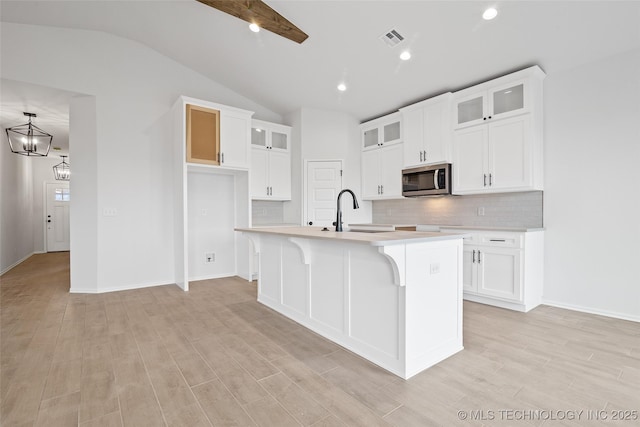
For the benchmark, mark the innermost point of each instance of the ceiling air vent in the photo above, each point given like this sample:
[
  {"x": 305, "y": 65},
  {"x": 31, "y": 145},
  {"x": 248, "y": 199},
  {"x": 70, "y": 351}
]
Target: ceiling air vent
[{"x": 391, "y": 38}]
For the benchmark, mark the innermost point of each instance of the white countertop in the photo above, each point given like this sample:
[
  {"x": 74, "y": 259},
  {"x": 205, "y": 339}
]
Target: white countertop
[
  {"x": 374, "y": 239},
  {"x": 437, "y": 227}
]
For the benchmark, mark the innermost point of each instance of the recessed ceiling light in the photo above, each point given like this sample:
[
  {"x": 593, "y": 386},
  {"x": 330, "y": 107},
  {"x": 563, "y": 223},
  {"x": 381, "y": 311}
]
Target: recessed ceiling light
[
  {"x": 342, "y": 87},
  {"x": 405, "y": 56},
  {"x": 490, "y": 13},
  {"x": 254, "y": 27}
]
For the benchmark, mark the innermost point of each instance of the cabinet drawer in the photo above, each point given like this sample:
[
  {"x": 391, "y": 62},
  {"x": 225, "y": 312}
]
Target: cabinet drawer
[{"x": 501, "y": 240}]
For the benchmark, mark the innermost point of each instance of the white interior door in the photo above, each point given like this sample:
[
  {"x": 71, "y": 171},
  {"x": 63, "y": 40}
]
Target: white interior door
[
  {"x": 57, "y": 216},
  {"x": 324, "y": 182}
]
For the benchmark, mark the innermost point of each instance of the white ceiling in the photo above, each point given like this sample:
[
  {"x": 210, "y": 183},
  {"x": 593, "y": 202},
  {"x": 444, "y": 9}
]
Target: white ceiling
[
  {"x": 452, "y": 46},
  {"x": 50, "y": 105}
]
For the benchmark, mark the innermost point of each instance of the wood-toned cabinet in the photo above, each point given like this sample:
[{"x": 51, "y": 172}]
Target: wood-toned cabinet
[
  {"x": 503, "y": 268},
  {"x": 498, "y": 140},
  {"x": 427, "y": 131},
  {"x": 203, "y": 135},
  {"x": 217, "y": 135},
  {"x": 270, "y": 161}
]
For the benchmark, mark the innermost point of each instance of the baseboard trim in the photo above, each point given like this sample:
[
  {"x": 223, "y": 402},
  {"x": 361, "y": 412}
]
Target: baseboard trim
[
  {"x": 15, "y": 264},
  {"x": 216, "y": 276},
  {"x": 590, "y": 310},
  {"x": 116, "y": 289}
]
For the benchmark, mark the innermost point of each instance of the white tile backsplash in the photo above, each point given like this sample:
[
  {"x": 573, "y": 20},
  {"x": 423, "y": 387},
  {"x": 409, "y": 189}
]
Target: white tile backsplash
[
  {"x": 500, "y": 210},
  {"x": 265, "y": 212}
]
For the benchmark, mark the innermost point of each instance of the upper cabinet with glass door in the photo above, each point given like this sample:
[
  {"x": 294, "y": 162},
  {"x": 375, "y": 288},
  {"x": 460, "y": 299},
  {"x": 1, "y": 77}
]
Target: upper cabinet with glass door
[
  {"x": 507, "y": 96},
  {"x": 382, "y": 131},
  {"x": 270, "y": 136}
]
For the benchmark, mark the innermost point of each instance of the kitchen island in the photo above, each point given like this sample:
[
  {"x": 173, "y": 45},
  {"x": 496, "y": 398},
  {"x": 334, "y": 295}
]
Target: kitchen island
[{"x": 394, "y": 298}]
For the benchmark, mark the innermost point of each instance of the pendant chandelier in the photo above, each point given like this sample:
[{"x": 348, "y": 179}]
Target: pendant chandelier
[
  {"x": 29, "y": 139},
  {"x": 61, "y": 171}
]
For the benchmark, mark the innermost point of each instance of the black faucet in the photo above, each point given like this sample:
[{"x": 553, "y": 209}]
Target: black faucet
[{"x": 338, "y": 222}]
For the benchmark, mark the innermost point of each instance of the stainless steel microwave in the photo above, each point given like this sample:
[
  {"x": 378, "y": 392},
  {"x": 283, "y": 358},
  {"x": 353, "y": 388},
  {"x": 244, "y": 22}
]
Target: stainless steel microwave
[{"x": 427, "y": 180}]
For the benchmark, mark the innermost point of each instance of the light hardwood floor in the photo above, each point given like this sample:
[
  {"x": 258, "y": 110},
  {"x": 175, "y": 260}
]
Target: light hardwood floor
[{"x": 214, "y": 356}]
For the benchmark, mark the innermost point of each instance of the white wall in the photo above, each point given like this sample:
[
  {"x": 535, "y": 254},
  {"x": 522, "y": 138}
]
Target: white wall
[
  {"x": 210, "y": 225},
  {"x": 292, "y": 211},
  {"x": 16, "y": 204},
  {"x": 128, "y": 165},
  {"x": 329, "y": 135},
  {"x": 592, "y": 188}
]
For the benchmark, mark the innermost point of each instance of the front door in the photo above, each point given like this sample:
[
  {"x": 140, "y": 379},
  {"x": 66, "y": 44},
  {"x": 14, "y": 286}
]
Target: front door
[
  {"x": 324, "y": 182},
  {"x": 57, "y": 216}
]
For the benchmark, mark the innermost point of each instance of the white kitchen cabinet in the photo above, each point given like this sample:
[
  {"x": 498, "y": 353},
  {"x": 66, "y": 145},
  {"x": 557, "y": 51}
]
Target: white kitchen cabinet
[
  {"x": 506, "y": 96},
  {"x": 382, "y": 131},
  {"x": 235, "y": 126},
  {"x": 504, "y": 269},
  {"x": 382, "y": 173},
  {"x": 427, "y": 131},
  {"x": 217, "y": 135},
  {"x": 270, "y": 161},
  {"x": 498, "y": 157},
  {"x": 217, "y": 165},
  {"x": 497, "y": 144}
]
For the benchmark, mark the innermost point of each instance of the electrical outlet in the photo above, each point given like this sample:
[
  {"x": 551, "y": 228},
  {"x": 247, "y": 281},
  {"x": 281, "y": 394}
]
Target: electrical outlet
[
  {"x": 481, "y": 211},
  {"x": 209, "y": 257},
  {"x": 435, "y": 268}
]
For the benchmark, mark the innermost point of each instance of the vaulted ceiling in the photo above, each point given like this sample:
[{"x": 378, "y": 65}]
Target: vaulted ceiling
[{"x": 451, "y": 45}]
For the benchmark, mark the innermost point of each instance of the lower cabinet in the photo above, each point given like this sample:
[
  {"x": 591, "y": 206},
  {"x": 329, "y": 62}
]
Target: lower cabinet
[{"x": 504, "y": 269}]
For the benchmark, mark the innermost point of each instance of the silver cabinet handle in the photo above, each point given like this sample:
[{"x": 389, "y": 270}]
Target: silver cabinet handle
[
  {"x": 271, "y": 191},
  {"x": 425, "y": 155},
  {"x": 474, "y": 256},
  {"x": 485, "y": 180},
  {"x": 497, "y": 240},
  {"x": 479, "y": 259},
  {"x": 490, "y": 180},
  {"x": 378, "y": 189},
  {"x": 381, "y": 189},
  {"x": 221, "y": 157},
  {"x": 421, "y": 156},
  {"x": 267, "y": 191}
]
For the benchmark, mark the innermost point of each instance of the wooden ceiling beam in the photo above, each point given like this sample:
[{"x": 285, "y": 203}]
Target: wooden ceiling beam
[{"x": 258, "y": 12}]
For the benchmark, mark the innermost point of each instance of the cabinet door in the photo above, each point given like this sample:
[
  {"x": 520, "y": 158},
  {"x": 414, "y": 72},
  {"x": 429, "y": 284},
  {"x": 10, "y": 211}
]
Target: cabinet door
[
  {"x": 436, "y": 133},
  {"x": 234, "y": 139},
  {"x": 470, "y": 110},
  {"x": 509, "y": 99},
  {"x": 413, "y": 123},
  {"x": 510, "y": 154},
  {"x": 392, "y": 132},
  {"x": 499, "y": 273},
  {"x": 470, "y": 160},
  {"x": 280, "y": 175},
  {"x": 259, "y": 173},
  {"x": 391, "y": 171},
  {"x": 370, "y": 138},
  {"x": 279, "y": 141},
  {"x": 259, "y": 137},
  {"x": 469, "y": 270},
  {"x": 370, "y": 175},
  {"x": 203, "y": 135}
]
